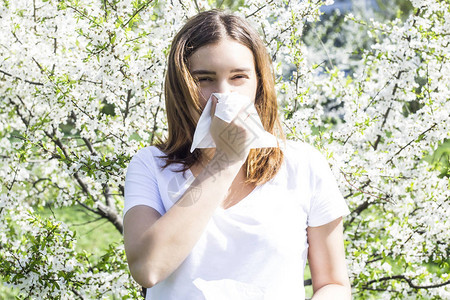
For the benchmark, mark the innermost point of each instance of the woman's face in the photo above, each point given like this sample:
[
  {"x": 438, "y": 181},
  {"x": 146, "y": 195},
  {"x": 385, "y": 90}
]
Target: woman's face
[{"x": 224, "y": 67}]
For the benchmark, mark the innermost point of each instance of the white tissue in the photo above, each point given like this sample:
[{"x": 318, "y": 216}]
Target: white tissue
[{"x": 227, "y": 108}]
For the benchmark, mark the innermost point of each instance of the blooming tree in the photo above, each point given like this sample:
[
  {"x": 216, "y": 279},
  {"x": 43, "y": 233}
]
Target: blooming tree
[
  {"x": 81, "y": 91},
  {"x": 385, "y": 113}
]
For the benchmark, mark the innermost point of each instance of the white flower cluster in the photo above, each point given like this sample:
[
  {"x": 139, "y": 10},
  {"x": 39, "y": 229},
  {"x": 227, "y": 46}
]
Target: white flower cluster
[{"x": 380, "y": 104}]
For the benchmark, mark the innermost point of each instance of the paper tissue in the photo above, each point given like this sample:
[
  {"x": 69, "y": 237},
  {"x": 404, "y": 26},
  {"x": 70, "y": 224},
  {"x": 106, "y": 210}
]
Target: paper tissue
[{"x": 227, "y": 107}]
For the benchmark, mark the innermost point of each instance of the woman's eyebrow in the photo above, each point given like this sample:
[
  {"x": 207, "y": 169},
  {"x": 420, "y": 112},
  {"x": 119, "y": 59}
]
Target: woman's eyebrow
[
  {"x": 238, "y": 70},
  {"x": 203, "y": 72},
  {"x": 207, "y": 72}
]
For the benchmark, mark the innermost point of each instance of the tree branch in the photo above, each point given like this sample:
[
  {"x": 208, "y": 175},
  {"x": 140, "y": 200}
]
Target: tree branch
[
  {"x": 364, "y": 186},
  {"x": 386, "y": 114},
  {"x": 77, "y": 293},
  {"x": 409, "y": 281},
  {"x": 25, "y": 80},
  {"x": 84, "y": 15},
  {"x": 256, "y": 11},
  {"x": 127, "y": 106},
  {"x": 106, "y": 211},
  {"x": 410, "y": 142},
  {"x": 106, "y": 10},
  {"x": 137, "y": 11}
]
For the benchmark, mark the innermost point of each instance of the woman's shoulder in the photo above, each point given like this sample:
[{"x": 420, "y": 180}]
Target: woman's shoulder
[
  {"x": 150, "y": 156},
  {"x": 303, "y": 157},
  {"x": 298, "y": 151},
  {"x": 298, "y": 145},
  {"x": 149, "y": 151}
]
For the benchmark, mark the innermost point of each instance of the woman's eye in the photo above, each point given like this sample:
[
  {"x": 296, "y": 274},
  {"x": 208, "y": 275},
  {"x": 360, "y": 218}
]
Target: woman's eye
[
  {"x": 240, "y": 76},
  {"x": 204, "y": 79}
]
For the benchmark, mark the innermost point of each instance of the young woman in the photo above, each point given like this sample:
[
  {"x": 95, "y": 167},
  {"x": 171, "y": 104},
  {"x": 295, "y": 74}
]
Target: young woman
[{"x": 230, "y": 222}]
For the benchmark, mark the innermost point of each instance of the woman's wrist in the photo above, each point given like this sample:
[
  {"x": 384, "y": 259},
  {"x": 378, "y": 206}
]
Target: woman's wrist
[{"x": 223, "y": 160}]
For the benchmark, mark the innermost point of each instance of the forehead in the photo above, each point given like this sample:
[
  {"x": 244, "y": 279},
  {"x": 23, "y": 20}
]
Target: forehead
[{"x": 224, "y": 55}]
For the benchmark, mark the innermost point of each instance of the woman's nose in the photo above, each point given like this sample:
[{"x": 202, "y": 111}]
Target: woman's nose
[{"x": 223, "y": 87}]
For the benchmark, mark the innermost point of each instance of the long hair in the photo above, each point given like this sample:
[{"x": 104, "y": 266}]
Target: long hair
[{"x": 182, "y": 96}]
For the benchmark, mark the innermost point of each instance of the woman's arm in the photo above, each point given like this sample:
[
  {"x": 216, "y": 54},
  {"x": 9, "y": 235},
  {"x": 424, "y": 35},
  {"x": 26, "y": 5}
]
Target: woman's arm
[
  {"x": 326, "y": 257},
  {"x": 156, "y": 245}
]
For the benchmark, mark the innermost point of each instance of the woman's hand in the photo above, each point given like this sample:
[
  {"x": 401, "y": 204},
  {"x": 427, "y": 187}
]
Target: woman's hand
[
  {"x": 156, "y": 244},
  {"x": 232, "y": 139}
]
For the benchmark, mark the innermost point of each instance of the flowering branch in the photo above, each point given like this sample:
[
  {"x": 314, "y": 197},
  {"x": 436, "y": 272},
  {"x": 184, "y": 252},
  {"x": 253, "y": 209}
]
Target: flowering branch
[
  {"x": 408, "y": 280},
  {"x": 15, "y": 77}
]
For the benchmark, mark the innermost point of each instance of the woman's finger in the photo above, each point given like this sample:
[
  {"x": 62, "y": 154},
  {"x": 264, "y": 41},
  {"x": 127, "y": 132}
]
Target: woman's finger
[{"x": 213, "y": 106}]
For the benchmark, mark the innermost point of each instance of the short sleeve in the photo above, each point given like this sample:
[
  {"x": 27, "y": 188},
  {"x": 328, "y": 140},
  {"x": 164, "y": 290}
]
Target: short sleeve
[
  {"x": 141, "y": 186},
  {"x": 327, "y": 203}
]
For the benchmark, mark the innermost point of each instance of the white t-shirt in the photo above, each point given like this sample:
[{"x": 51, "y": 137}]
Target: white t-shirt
[{"x": 256, "y": 249}]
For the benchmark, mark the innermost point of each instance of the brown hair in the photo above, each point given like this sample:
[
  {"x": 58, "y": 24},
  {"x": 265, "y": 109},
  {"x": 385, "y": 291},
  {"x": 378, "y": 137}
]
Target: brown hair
[{"x": 181, "y": 92}]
